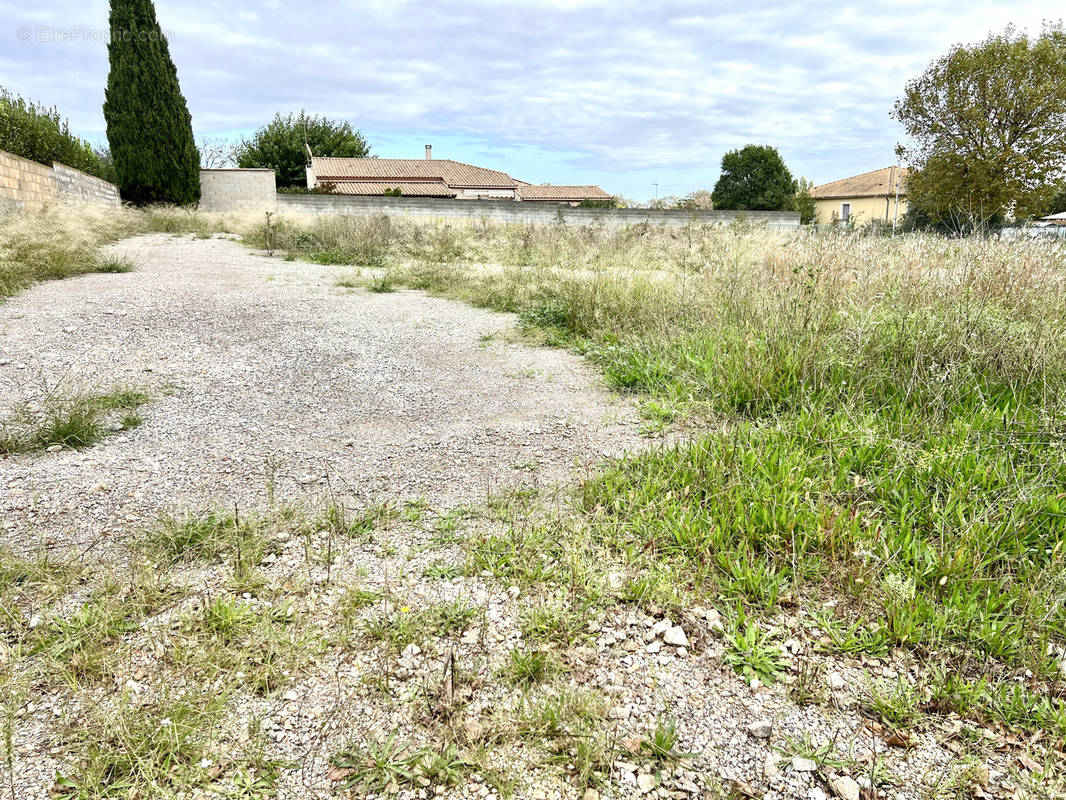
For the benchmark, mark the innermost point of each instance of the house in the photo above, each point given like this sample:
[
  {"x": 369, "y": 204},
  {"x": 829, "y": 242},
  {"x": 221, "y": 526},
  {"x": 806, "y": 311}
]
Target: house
[
  {"x": 880, "y": 195},
  {"x": 553, "y": 193},
  {"x": 435, "y": 177}
]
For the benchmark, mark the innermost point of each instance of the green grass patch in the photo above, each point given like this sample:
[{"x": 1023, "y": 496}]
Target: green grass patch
[{"x": 70, "y": 419}]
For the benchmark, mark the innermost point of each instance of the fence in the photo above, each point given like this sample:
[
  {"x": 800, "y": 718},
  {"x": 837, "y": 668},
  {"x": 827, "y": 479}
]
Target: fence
[
  {"x": 1050, "y": 233},
  {"x": 253, "y": 190},
  {"x": 29, "y": 185}
]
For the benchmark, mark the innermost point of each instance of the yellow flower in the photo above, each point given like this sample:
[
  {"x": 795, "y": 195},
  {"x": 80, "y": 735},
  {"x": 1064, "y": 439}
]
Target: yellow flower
[{"x": 404, "y": 609}]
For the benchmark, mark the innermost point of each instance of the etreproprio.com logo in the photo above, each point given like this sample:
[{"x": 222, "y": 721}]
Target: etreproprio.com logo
[{"x": 77, "y": 33}]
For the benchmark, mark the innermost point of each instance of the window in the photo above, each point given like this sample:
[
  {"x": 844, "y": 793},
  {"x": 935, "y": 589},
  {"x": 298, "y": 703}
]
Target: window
[{"x": 845, "y": 211}]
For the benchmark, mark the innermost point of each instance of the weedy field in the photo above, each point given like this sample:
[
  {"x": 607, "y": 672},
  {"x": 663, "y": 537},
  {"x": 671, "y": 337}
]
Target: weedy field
[{"x": 834, "y": 566}]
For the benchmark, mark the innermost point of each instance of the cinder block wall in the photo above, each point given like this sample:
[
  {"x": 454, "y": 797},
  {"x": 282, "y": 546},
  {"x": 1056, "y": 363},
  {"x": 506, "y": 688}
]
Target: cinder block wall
[
  {"x": 76, "y": 186},
  {"x": 520, "y": 212},
  {"x": 25, "y": 184},
  {"x": 238, "y": 190}
]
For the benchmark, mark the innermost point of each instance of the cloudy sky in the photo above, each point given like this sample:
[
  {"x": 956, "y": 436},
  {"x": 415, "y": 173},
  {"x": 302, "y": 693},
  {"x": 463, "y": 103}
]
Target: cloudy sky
[{"x": 622, "y": 94}]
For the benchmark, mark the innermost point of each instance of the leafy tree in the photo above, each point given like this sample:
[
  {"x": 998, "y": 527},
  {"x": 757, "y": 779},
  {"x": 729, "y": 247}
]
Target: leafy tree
[
  {"x": 40, "y": 134},
  {"x": 803, "y": 202},
  {"x": 148, "y": 123},
  {"x": 754, "y": 178},
  {"x": 699, "y": 200},
  {"x": 1057, "y": 203},
  {"x": 279, "y": 145},
  {"x": 988, "y": 126}
]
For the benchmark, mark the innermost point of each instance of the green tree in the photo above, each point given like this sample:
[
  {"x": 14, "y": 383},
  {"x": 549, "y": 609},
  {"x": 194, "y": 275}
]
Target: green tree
[
  {"x": 988, "y": 128},
  {"x": 40, "y": 134},
  {"x": 803, "y": 202},
  {"x": 1056, "y": 203},
  {"x": 280, "y": 145},
  {"x": 754, "y": 178},
  {"x": 699, "y": 200},
  {"x": 148, "y": 124}
]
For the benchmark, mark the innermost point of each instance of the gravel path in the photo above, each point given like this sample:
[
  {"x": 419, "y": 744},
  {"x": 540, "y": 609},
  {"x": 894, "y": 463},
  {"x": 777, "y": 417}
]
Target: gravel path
[{"x": 264, "y": 371}]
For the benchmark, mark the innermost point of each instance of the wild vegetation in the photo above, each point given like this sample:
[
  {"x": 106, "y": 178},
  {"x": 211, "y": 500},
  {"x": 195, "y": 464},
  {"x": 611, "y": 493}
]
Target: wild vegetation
[
  {"x": 866, "y": 428},
  {"x": 61, "y": 242},
  {"x": 39, "y": 133},
  {"x": 874, "y": 419}
]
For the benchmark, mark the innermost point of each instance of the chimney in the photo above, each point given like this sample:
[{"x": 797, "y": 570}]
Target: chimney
[{"x": 429, "y": 152}]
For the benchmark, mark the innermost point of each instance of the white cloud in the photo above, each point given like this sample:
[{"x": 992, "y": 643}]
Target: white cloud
[{"x": 616, "y": 86}]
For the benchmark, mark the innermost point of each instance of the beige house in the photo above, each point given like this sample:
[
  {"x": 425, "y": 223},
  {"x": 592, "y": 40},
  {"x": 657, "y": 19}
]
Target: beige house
[
  {"x": 879, "y": 196},
  {"x": 435, "y": 177}
]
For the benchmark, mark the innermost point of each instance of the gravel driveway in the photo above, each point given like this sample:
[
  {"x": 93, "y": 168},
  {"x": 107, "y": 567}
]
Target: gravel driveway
[{"x": 264, "y": 372}]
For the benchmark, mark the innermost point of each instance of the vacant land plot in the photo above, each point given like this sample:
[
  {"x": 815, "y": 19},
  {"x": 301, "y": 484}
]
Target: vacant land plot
[{"x": 296, "y": 527}]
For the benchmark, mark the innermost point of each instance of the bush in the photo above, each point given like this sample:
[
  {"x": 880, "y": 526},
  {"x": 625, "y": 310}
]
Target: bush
[{"x": 40, "y": 134}]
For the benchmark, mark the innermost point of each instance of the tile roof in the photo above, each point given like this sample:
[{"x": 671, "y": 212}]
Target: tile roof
[
  {"x": 561, "y": 193},
  {"x": 453, "y": 173},
  {"x": 879, "y": 183},
  {"x": 408, "y": 189}
]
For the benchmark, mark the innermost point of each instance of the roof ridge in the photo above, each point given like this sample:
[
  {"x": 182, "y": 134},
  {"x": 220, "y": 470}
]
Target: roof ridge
[{"x": 860, "y": 175}]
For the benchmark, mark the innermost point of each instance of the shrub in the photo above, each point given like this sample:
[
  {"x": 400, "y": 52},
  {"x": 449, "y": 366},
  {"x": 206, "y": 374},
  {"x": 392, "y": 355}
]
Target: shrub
[{"x": 40, "y": 134}]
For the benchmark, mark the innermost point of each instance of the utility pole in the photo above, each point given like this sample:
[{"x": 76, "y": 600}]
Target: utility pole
[
  {"x": 895, "y": 210},
  {"x": 656, "y": 193}
]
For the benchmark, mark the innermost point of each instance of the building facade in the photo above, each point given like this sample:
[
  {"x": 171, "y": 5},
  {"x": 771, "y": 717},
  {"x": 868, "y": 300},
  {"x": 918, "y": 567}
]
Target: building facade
[{"x": 878, "y": 196}]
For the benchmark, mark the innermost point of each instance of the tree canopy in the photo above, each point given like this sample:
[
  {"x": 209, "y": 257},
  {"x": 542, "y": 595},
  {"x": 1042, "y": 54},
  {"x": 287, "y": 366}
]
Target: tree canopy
[
  {"x": 148, "y": 124},
  {"x": 803, "y": 202},
  {"x": 279, "y": 145},
  {"x": 754, "y": 178},
  {"x": 39, "y": 133},
  {"x": 988, "y": 128}
]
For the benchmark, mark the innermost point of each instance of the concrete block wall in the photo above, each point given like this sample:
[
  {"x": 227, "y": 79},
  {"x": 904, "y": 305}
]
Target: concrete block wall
[
  {"x": 509, "y": 211},
  {"x": 76, "y": 186},
  {"x": 238, "y": 190},
  {"x": 25, "y": 184}
]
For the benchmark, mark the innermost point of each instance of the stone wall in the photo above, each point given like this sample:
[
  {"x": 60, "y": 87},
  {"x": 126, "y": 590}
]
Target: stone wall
[
  {"x": 237, "y": 190},
  {"x": 520, "y": 212},
  {"x": 76, "y": 186},
  {"x": 28, "y": 185}
]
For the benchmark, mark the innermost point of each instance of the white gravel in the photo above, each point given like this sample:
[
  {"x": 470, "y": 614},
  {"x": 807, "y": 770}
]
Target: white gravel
[{"x": 260, "y": 368}]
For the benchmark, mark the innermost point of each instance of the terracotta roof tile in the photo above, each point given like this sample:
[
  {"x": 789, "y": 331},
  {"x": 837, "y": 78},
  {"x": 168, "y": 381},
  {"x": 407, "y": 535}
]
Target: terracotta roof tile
[
  {"x": 561, "y": 193},
  {"x": 879, "y": 183},
  {"x": 453, "y": 173},
  {"x": 415, "y": 189}
]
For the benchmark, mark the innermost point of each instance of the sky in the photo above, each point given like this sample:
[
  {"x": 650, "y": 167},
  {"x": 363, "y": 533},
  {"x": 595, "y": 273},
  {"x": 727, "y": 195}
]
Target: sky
[{"x": 640, "y": 98}]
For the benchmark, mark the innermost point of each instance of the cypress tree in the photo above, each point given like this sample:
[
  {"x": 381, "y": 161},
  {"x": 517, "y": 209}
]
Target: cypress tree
[{"x": 148, "y": 124}]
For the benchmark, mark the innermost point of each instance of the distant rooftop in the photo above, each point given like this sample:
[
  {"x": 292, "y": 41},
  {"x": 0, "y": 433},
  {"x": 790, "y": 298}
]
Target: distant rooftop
[
  {"x": 879, "y": 183},
  {"x": 528, "y": 191},
  {"x": 442, "y": 170}
]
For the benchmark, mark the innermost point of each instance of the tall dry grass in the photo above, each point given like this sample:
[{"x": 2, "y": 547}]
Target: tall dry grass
[
  {"x": 877, "y": 418},
  {"x": 62, "y": 241}
]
